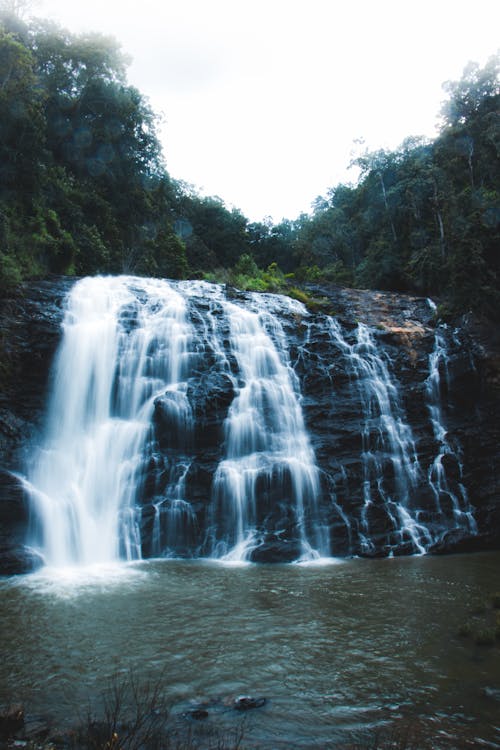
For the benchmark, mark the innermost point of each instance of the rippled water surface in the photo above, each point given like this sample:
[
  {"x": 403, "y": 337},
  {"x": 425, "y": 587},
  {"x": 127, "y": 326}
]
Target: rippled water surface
[{"x": 336, "y": 649}]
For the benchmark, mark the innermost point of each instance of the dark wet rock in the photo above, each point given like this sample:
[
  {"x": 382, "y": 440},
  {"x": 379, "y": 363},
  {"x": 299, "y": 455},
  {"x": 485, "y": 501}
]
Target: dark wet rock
[
  {"x": 15, "y": 557},
  {"x": 11, "y": 426},
  {"x": 372, "y": 553},
  {"x": 211, "y": 396},
  {"x": 246, "y": 702},
  {"x": 11, "y": 719},
  {"x": 12, "y": 503},
  {"x": 19, "y": 560},
  {"x": 198, "y": 714},
  {"x": 173, "y": 421},
  {"x": 274, "y": 549},
  {"x": 456, "y": 541},
  {"x": 35, "y": 729},
  {"x": 30, "y": 328},
  {"x": 493, "y": 693}
]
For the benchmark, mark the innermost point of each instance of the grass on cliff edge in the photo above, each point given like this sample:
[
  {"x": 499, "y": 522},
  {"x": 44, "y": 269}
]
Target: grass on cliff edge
[{"x": 246, "y": 275}]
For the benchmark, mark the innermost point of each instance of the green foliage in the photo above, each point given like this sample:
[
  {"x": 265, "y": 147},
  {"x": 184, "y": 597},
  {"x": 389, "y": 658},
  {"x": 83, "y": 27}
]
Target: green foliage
[
  {"x": 10, "y": 274},
  {"x": 313, "y": 303},
  {"x": 272, "y": 243},
  {"x": 335, "y": 272},
  {"x": 246, "y": 275},
  {"x": 274, "y": 278},
  {"x": 246, "y": 266},
  {"x": 217, "y": 276},
  {"x": 217, "y": 236},
  {"x": 83, "y": 189},
  {"x": 424, "y": 218},
  {"x": 53, "y": 245},
  {"x": 299, "y": 294},
  {"x": 468, "y": 96},
  {"x": 21, "y": 123},
  {"x": 338, "y": 273},
  {"x": 164, "y": 256},
  {"x": 381, "y": 267}
]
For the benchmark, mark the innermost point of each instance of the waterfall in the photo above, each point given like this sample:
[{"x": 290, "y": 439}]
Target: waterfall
[
  {"x": 125, "y": 343},
  {"x": 268, "y": 481},
  {"x": 451, "y": 501},
  {"x": 177, "y": 426},
  {"x": 127, "y": 354},
  {"x": 387, "y": 442}
]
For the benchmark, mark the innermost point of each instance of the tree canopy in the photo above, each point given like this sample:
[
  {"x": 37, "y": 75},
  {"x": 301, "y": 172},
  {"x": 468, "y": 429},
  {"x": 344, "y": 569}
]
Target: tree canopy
[
  {"x": 84, "y": 188},
  {"x": 424, "y": 218}
]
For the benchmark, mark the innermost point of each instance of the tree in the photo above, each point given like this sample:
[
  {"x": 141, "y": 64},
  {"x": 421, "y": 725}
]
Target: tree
[
  {"x": 16, "y": 8},
  {"x": 467, "y": 96},
  {"x": 83, "y": 186},
  {"x": 22, "y": 122}
]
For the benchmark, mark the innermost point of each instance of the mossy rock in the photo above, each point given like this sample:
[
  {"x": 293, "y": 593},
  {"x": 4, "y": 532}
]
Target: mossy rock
[{"x": 314, "y": 304}]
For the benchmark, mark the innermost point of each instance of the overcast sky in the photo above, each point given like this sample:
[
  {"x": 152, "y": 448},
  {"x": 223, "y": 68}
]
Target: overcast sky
[{"x": 263, "y": 99}]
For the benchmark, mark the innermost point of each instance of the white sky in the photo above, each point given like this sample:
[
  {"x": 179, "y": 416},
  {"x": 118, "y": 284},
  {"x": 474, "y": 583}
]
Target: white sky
[{"x": 262, "y": 99}]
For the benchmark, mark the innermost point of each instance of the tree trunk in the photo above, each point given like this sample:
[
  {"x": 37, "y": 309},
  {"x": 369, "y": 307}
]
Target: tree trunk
[{"x": 386, "y": 204}]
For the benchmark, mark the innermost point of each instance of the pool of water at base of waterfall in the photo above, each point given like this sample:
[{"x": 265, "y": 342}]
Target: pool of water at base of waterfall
[{"x": 339, "y": 650}]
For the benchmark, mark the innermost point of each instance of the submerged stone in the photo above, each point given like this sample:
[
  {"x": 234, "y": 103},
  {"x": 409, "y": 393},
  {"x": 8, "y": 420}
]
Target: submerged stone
[
  {"x": 198, "y": 714},
  {"x": 246, "y": 702},
  {"x": 11, "y": 719}
]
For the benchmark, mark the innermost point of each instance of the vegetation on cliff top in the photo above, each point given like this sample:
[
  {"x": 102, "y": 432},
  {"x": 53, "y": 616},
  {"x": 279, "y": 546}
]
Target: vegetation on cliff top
[{"x": 84, "y": 190}]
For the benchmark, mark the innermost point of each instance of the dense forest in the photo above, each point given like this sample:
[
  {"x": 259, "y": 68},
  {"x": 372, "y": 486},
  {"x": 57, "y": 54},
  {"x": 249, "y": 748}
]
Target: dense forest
[{"x": 84, "y": 190}]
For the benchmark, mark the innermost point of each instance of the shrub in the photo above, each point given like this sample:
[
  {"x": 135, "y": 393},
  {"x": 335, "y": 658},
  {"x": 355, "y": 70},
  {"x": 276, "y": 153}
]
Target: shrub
[
  {"x": 133, "y": 717},
  {"x": 10, "y": 273}
]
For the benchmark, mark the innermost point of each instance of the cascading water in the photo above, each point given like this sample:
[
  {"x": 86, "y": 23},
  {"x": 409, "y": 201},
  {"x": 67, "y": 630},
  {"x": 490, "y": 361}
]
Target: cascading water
[
  {"x": 452, "y": 506},
  {"x": 177, "y": 427},
  {"x": 386, "y": 439},
  {"x": 268, "y": 481},
  {"x": 127, "y": 354},
  {"x": 125, "y": 342}
]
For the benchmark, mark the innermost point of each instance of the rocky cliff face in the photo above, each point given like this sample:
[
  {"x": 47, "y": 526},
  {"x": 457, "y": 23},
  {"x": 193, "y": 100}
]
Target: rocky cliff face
[
  {"x": 406, "y": 329},
  {"x": 474, "y": 421},
  {"x": 30, "y": 330},
  {"x": 366, "y": 458}
]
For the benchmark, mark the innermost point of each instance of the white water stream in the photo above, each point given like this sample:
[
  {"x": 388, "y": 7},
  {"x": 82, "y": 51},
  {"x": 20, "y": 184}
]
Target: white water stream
[
  {"x": 125, "y": 342},
  {"x": 444, "y": 490},
  {"x": 386, "y": 437},
  {"x": 267, "y": 447}
]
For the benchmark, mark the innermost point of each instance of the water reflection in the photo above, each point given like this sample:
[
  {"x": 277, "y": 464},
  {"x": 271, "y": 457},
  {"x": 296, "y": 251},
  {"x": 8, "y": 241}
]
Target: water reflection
[{"x": 335, "y": 649}]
